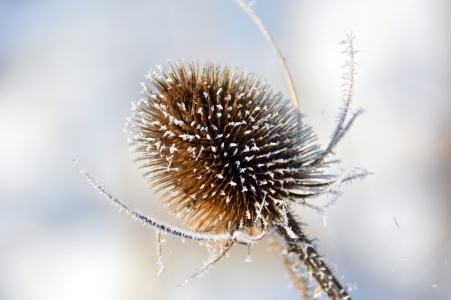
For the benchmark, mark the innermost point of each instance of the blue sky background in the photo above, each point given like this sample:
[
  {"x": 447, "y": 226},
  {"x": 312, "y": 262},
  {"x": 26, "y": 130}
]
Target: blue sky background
[{"x": 69, "y": 70}]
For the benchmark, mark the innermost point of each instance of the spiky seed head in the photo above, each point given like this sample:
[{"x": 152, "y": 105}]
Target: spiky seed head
[{"x": 229, "y": 152}]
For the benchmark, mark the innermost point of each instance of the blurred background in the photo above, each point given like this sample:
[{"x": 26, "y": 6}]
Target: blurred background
[{"x": 69, "y": 70}]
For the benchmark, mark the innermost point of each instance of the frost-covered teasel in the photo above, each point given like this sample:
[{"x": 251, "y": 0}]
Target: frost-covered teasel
[
  {"x": 235, "y": 154},
  {"x": 233, "y": 158}
]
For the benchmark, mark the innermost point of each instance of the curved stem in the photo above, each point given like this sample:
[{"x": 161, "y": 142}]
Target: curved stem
[{"x": 273, "y": 44}]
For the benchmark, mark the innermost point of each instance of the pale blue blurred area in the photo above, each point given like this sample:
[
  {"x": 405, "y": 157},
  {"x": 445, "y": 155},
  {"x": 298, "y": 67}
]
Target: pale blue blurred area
[{"x": 69, "y": 70}]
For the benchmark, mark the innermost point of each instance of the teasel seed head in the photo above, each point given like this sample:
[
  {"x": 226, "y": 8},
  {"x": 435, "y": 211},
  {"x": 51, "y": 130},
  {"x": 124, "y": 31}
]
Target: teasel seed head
[{"x": 229, "y": 152}]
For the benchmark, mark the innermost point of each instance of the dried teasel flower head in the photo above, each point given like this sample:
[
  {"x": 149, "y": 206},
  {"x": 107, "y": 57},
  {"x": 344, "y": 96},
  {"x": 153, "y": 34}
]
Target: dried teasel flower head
[
  {"x": 231, "y": 154},
  {"x": 233, "y": 157}
]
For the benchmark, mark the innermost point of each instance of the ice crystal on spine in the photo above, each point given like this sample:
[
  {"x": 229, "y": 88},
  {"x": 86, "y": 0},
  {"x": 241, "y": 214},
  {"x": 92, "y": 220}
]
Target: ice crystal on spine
[{"x": 255, "y": 155}]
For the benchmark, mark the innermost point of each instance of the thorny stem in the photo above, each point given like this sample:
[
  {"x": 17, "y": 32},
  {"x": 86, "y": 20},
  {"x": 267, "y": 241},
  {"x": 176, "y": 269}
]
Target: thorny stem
[
  {"x": 276, "y": 49},
  {"x": 304, "y": 251}
]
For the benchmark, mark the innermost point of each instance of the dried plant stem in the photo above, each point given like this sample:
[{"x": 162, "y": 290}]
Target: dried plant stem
[
  {"x": 276, "y": 49},
  {"x": 300, "y": 251}
]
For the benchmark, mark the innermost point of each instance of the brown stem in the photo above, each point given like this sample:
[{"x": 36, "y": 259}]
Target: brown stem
[{"x": 304, "y": 253}]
